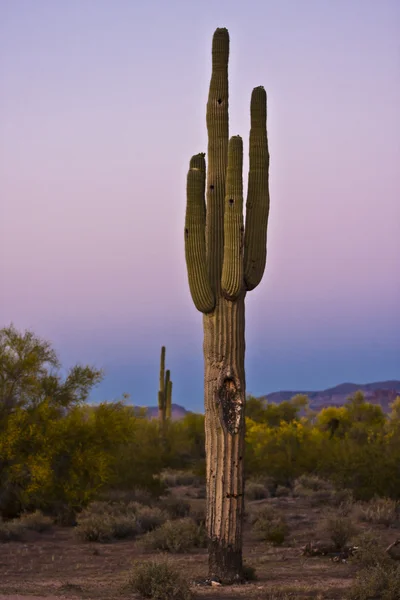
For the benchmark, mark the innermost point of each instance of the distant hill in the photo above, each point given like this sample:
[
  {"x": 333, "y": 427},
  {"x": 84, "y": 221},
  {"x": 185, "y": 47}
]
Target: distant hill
[
  {"x": 378, "y": 392},
  {"x": 177, "y": 411}
]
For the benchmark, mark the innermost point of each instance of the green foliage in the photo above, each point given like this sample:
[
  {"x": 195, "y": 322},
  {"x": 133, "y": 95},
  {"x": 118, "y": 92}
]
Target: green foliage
[
  {"x": 340, "y": 530},
  {"x": 255, "y": 490},
  {"x": 158, "y": 581},
  {"x": 355, "y": 446},
  {"x": 175, "y": 536},
  {"x": 11, "y": 531},
  {"x": 36, "y": 521},
  {"x": 58, "y": 454},
  {"x": 270, "y": 525},
  {"x": 377, "y": 582},
  {"x": 175, "y": 507}
]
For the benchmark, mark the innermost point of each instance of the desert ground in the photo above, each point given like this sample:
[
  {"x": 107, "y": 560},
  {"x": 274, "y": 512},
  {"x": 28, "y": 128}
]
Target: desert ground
[{"x": 56, "y": 564}]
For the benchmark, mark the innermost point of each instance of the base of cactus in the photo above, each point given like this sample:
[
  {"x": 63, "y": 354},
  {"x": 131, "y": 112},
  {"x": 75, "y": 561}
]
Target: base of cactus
[{"x": 224, "y": 563}]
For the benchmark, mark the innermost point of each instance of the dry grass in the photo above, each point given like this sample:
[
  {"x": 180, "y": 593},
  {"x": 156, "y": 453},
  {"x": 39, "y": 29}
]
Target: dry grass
[{"x": 380, "y": 511}]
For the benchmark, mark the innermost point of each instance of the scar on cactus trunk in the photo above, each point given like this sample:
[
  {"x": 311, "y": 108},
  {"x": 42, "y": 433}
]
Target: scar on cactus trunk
[{"x": 225, "y": 260}]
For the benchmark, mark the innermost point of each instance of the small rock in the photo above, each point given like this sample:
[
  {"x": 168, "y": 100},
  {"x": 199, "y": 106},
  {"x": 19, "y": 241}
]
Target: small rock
[{"x": 215, "y": 583}]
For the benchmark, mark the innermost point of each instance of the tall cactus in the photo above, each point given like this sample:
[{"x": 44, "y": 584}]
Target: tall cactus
[
  {"x": 226, "y": 259},
  {"x": 165, "y": 391}
]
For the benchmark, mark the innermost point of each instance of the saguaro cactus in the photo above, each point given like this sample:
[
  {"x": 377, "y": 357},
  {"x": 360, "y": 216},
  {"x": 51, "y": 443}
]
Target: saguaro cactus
[
  {"x": 165, "y": 391},
  {"x": 224, "y": 261}
]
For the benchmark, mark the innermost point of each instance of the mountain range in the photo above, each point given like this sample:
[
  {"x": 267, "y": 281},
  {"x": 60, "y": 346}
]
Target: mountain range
[{"x": 378, "y": 392}]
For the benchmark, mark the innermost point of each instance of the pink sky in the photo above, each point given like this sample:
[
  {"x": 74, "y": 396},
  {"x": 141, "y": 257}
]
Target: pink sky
[{"x": 101, "y": 106}]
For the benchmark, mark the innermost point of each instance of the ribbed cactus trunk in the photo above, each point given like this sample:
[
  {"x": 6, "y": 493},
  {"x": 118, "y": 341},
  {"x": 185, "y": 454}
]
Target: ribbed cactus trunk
[{"x": 224, "y": 261}]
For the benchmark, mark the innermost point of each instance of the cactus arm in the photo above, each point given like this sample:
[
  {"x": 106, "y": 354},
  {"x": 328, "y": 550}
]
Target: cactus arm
[
  {"x": 257, "y": 206},
  {"x": 232, "y": 269},
  {"x": 195, "y": 242},
  {"x": 162, "y": 369},
  {"x": 161, "y": 413},
  {"x": 218, "y": 135},
  {"x": 169, "y": 400}
]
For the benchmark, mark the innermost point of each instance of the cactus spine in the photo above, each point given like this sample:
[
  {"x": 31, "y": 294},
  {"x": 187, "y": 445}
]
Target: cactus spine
[
  {"x": 225, "y": 260},
  {"x": 165, "y": 391}
]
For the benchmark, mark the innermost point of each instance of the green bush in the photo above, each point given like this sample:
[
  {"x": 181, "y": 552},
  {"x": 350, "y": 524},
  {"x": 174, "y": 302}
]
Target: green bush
[
  {"x": 380, "y": 582},
  {"x": 106, "y": 528},
  {"x": 36, "y": 521},
  {"x": 175, "y": 507},
  {"x": 282, "y": 491},
  {"x": 11, "y": 531},
  {"x": 176, "y": 478},
  {"x": 175, "y": 536},
  {"x": 270, "y": 525},
  {"x": 158, "y": 581},
  {"x": 256, "y": 491},
  {"x": 370, "y": 551},
  {"x": 149, "y": 518},
  {"x": 340, "y": 530}
]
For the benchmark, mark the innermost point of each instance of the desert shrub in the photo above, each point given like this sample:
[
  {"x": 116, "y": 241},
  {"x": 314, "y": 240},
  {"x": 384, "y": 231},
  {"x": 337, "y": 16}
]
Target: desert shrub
[
  {"x": 105, "y": 528},
  {"x": 342, "y": 499},
  {"x": 340, "y": 530},
  {"x": 11, "y": 531},
  {"x": 138, "y": 495},
  {"x": 380, "y": 511},
  {"x": 149, "y": 518},
  {"x": 175, "y": 478},
  {"x": 201, "y": 492},
  {"x": 36, "y": 521},
  {"x": 255, "y": 490},
  {"x": 158, "y": 581},
  {"x": 316, "y": 490},
  {"x": 175, "y": 536},
  {"x": 249, "y": 573},
  {"x": 312, "y": 483},
  {"x": 282, "y": 491},
  {"x": 270, "y": 525},
  {"x": 199, "y": 515},
  {"x": 370, "y": 551},
  {"x": 379, "y": 582},
  {"x": 177, "y": 508},
  {"x": 94, "y": 528},
  {"x": 102, "y": 508}
]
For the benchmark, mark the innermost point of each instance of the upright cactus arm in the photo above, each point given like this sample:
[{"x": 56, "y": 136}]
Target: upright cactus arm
[
  {"x": 162, "y": 369},
  {"x": 257, "y": 206},
  {"x": 168, "y": 409},
  {"x": 218, "y": 136},
  {"x": 195, "y": 241},
  {"x": 232, "y": 269}
]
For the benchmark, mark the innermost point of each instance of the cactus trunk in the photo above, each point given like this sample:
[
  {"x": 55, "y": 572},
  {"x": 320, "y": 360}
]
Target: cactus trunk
[
  {"x": 224, "y": 348},
  {"x": 225, "y": 260}
]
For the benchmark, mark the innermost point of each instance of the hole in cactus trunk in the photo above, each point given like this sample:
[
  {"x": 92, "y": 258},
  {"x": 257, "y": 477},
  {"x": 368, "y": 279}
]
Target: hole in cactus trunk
[
  {"x": 186, "y": 232},
  {"x": 211, "y": 187},
  {"x": 231, "y": 201},
  {"x": 219, "y": 101},
  {"x": 231, "y": 403}
]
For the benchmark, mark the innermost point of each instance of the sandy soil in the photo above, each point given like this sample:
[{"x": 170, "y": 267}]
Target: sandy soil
[{"x": 54, "y": 565}]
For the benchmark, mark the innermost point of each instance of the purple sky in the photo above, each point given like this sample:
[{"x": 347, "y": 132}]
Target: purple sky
[{"x": 102, "y": 103}]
